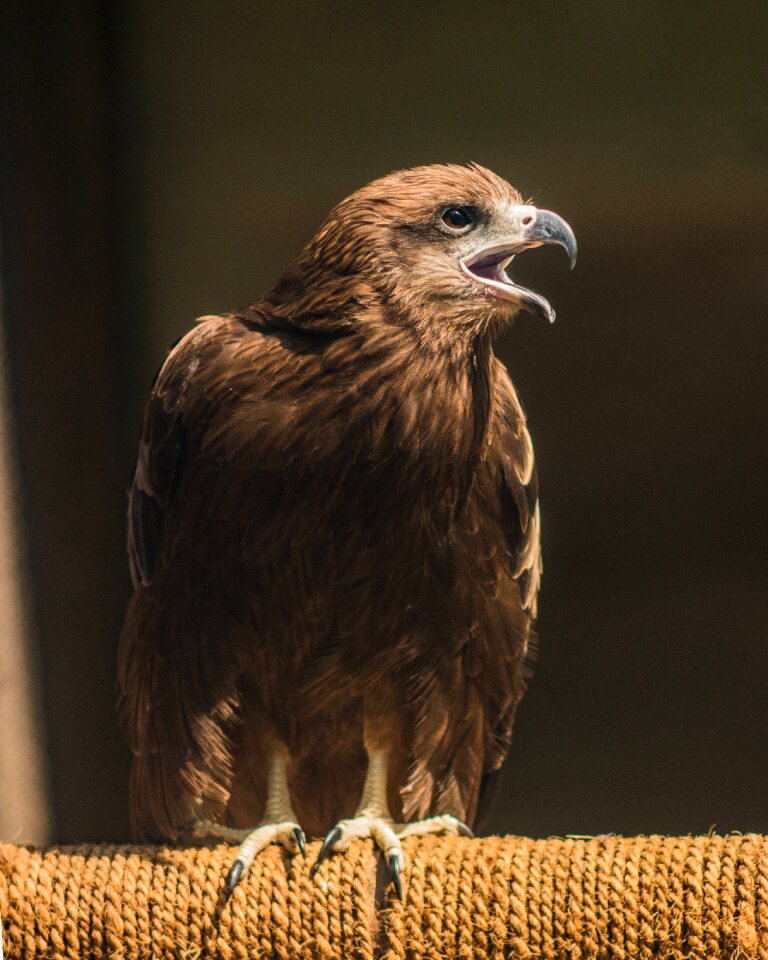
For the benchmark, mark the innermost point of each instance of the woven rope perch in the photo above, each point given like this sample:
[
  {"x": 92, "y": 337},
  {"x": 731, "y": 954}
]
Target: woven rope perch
[{"x": 509, "y": 897}]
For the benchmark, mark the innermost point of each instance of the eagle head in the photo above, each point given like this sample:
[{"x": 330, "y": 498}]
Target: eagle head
[{"x": 437, "y": 240}]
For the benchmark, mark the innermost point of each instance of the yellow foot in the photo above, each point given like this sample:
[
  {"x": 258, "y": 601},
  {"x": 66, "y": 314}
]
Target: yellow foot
[
  {"x": 386, "y": 835},
  {"x": 285, "y": 832}
]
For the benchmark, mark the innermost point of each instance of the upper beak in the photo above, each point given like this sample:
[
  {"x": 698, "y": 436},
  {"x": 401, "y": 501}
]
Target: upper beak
[
  {"x": 547, "y": 227},
  {"x": 529, "y": 227}
]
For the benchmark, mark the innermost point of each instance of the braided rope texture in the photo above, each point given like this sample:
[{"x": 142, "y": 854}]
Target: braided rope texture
[{"x": 499, "y": 898}]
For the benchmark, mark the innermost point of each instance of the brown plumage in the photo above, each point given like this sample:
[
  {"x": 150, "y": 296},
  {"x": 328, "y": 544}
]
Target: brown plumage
[{"x": 333, "y": 525}]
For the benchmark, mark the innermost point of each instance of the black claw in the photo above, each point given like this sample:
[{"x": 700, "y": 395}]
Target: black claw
[
  {"x": 464, "y": 830},
  {"x": 394, "y": 872},
  {"x": 235, "y": 874},
  {"x": 298, "y": 835},
  {"x": 332, "y": 837}
]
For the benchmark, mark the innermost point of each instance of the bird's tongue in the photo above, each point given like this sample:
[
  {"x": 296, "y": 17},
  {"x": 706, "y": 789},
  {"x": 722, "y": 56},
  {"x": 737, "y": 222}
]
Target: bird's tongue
[
  {"x": 489, "y": 267},
  {"x": 492, "y": 268}
]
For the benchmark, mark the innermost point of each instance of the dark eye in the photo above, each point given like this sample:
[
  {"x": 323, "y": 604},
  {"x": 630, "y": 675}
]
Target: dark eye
[{"x": 457, "y": 218}]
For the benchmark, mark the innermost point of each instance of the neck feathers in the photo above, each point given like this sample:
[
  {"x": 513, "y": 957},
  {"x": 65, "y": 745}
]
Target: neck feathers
[{"x": 423, "y": 380}]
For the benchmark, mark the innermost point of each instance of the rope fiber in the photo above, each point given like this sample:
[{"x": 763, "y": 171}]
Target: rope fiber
[{"x": 500, "y": 898}]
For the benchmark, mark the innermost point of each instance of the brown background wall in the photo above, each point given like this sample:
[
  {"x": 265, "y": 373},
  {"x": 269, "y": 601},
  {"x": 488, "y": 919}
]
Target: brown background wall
[{"x": 164, "y": 160}]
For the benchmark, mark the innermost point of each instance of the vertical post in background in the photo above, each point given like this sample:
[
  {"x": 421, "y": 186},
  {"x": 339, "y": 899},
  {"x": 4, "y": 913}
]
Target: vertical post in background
[
  {"x": 24, "y": 799},
  {"x": 68, "y": 369}
]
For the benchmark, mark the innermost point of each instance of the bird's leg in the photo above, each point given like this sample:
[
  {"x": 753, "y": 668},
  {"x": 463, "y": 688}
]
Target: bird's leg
[
  {"x": 372, "y": 819},
  {"x": 278, "y": 826}
]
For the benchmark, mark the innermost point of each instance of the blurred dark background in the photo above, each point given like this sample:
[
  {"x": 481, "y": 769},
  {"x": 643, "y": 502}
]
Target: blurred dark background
[{"x": 163, "y": 160}]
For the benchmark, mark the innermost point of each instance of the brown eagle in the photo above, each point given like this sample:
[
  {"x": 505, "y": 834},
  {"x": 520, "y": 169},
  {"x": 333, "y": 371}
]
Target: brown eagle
[{"x": 334, "y": 535}]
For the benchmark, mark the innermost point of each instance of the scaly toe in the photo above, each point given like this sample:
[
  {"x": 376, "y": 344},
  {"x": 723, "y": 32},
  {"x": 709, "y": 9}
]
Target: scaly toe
[
  {"x": 379, "y": 829},
  {"x": 445, "y": 823},
  {"x": 205, "y": 831},
  {"x": 286, "y": 832}
]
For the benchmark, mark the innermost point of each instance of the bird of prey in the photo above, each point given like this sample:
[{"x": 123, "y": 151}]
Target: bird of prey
[{"x": 334, "y": 535}]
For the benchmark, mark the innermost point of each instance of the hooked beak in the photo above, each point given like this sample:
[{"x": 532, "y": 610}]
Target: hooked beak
[{"x": 530, "y": 227}]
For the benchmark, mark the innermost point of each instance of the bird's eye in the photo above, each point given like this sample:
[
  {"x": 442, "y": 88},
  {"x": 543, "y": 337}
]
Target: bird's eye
[{"x": 457, "y": 218}]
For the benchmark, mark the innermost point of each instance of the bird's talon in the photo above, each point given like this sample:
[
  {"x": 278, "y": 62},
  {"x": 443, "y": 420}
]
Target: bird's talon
[
  {"x": 459, "y": 826},
  {"x": 393, "y": 862},
  {"x": 235, "y": 874},
  {"x": 298, "y": 836},
  {"x": 331, "y": 839}
]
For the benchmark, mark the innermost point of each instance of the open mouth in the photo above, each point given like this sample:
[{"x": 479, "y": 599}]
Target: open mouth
[{"x": 489, "y": 267}]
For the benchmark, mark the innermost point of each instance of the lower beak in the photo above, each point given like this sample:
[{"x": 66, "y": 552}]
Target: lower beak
[{"x": 530, "y": 227}]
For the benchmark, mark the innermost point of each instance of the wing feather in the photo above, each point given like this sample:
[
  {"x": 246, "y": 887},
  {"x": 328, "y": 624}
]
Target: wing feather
[
  {"x": 519, "y": 498},
  {"x": 519, "y": 491},
  {"x": 176, "y": 675},
  {"x": 159, "y": 462}
]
